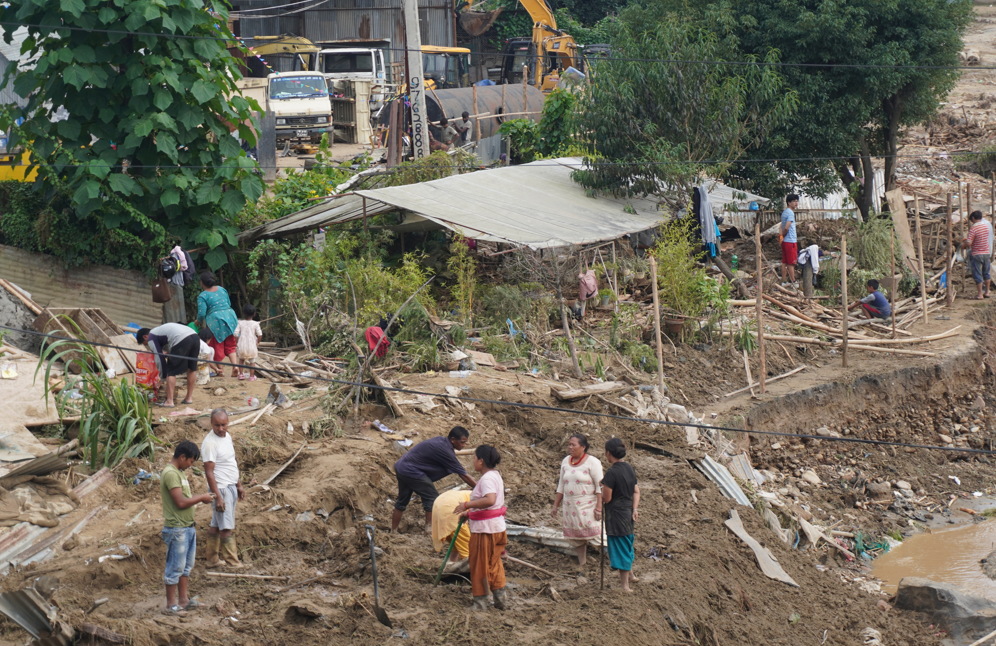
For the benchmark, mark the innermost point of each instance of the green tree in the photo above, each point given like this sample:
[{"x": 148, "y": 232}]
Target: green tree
[
  {"x": 850, "y": 113},
  {"x": 147, "y": 144},
  {"x": 653, "y": 126}
]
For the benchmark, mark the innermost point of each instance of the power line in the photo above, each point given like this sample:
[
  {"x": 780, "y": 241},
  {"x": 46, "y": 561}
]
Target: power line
[
  {"x": 972, "y": 68},
  {"x": 569, "y": 411}
]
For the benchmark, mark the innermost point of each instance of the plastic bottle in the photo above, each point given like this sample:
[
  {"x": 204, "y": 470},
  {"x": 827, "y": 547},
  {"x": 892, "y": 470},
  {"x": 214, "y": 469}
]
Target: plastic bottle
[
  {"x": 253, "y": 401},
  {"x": 734, "y": 262},
  {"x": 459, "y": 374}
]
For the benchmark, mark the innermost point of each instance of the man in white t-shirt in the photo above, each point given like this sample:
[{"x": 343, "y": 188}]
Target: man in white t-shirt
[{"x": 222, "y": 474}]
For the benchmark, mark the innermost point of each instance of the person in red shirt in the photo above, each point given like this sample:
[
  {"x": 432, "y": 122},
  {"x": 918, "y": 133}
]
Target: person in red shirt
[{"x": 980, "y": 241}]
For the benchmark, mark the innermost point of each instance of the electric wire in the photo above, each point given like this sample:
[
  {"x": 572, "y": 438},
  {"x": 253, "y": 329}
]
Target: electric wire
[
  {"x": 522, "y": 405},
  {"x": 966, "y": 68}
]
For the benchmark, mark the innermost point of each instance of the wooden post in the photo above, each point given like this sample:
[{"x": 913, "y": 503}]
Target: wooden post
[
  {"x": 807, "y": 280},
  {"x": 525, "y": 84},
  {"x": 843, "y": 293},
  {"x": 949, "y": 289},
  {"x": 758, "y": 304},
  {"x": 503, "y": 108},
  {"x": 992, "y": 208},
  {"x": 919, "y": 250},
  {"x": 477, "y": 118},
  {"x": 615, "y": 278},
  {"x": 892, "y": 282},
  {"x": 657, "y": 325}
]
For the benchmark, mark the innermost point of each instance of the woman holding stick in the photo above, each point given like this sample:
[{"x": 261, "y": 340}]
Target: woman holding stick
[
  {"x": 578, "y": 490},
  {"x": 621, "y": 495},
  {"x": 486, "y": 513}
]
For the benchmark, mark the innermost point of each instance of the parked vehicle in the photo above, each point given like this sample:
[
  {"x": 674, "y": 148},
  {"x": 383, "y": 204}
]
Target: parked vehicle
[{"x": 299, "y": 100}]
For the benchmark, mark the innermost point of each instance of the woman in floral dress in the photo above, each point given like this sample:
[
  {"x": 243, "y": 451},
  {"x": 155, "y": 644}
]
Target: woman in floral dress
[{"x": 579, "y": 490}]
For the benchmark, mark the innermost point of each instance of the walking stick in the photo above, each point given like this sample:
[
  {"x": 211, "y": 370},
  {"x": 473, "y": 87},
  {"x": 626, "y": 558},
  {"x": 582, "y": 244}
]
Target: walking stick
[
  {"x": 601, "y": 542},
  {"x": 446, "y": 558}
]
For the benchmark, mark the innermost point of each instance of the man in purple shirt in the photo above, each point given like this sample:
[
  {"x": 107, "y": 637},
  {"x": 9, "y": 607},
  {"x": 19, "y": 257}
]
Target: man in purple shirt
[{"x": 422, "y": 466}]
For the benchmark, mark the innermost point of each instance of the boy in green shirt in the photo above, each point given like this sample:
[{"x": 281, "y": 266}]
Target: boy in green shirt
[{"x": 179, "y": 533}]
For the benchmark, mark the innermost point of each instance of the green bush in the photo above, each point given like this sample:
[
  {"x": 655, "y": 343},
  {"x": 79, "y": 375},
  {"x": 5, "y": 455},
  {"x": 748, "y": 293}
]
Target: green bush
[{"x": 29, "y": 222}]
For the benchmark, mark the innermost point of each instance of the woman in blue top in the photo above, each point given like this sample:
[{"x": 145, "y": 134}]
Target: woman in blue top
[{"x": 214, "y": 309}]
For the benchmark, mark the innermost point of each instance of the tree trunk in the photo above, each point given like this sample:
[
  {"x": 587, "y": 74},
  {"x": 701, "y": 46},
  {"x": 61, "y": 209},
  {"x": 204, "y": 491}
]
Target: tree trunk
[
  {"x": 893, "y": 109},
  {"x": 868, "y": 187},
  {"x": 851, "y": 174}
]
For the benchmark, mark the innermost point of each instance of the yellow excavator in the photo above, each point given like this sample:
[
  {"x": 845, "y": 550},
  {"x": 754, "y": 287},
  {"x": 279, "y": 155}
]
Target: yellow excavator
[{"x": 547, "y": 54}]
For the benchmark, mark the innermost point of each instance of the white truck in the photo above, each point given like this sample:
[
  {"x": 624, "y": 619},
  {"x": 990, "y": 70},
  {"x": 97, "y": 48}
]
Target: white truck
[
  {"x": 357, "y": 64},
  {"x": 299, "y": 100}
]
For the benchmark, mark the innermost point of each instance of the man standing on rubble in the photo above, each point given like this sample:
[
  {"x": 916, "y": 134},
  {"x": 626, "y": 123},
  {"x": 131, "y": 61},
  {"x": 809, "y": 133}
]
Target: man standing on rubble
[
  {"x": 222, "y": 474},
  {"x": 979, "y": 241},
  {"x": 419, "y": 469}
]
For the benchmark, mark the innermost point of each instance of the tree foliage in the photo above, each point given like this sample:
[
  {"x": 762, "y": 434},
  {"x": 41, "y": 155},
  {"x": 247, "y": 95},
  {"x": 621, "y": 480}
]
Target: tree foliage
[
  {"x": 848, "y": 113},
  {"x": 147, "y": 144},
  {"x": 652, "y": 124}
]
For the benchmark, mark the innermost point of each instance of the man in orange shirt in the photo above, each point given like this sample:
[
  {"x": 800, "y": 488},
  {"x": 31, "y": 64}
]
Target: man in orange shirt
[{"x": 980, "y": 241}]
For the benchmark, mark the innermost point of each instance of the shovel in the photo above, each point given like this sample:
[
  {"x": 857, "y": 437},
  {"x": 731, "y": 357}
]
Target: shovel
[{"x": 380, "y": 612}]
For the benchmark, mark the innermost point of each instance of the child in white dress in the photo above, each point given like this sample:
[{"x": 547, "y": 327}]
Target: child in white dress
[{"x": 250, "y": 334}]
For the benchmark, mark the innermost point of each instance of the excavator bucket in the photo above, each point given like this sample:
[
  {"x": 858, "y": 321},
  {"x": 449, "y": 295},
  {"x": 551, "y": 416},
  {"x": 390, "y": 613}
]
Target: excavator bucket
[{"x": 476, "y": 23}]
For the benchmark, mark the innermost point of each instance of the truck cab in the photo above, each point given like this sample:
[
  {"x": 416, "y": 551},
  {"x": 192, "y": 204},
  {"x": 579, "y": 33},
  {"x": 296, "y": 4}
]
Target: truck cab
[
  {"x": 445, "y": 68},
  {"x": 356, "y": 64},
  {"x": 299, "y": 101}
]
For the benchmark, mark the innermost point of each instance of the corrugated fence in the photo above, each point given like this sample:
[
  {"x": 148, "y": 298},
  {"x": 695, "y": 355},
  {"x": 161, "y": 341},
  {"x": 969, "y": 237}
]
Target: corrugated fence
[{"x": 125, "y": 296}]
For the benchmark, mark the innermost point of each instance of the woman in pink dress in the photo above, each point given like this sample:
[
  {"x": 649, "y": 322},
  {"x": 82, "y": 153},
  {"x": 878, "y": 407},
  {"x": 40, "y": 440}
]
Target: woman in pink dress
[{"x": 579, "y": 490}]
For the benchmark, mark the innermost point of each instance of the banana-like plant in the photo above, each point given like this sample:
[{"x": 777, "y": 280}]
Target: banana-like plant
[{"x": 115, "y": 419}]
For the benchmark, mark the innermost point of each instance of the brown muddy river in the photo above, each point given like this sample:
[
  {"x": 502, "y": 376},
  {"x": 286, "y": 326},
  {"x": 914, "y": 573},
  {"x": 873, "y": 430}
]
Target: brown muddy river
[{"x": 948, "y": 556}]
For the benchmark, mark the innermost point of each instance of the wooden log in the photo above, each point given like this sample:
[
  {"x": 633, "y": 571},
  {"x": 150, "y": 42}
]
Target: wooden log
[
  {"x": 16, "y": 293},
  {"x": 528, "y": 564},
  {"x": 657, "y": 326},
  {"x": 266, "y": 408},
  {"x": 919, "y": 251},
  {"x": 949, "y": 257},
  {"x": 759, "y": 299},
  {"x": 788, "y": 308},
  {"x": 843, "y": 294},
  {"x": 750, "y": 378},
  {"x": 605, "y": 388},
  {"x": 781, "y": 376}
]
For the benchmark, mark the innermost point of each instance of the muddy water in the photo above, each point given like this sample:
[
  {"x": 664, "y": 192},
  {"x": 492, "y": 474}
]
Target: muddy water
[{"x": 949, "y": 556}]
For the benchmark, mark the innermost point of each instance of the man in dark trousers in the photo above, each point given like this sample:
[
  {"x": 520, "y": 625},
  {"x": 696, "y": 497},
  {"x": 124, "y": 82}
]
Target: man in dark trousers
[{"x": 419, "y": 469}]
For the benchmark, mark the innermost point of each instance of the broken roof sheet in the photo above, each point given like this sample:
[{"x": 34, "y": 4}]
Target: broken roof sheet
[{"x": 536, "y": 205}]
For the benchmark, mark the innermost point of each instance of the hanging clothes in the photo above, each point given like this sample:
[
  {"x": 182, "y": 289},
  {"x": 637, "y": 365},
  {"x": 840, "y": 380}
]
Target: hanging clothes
[
  {"x": 810, "y": 254},
  {"x": 707, "y": 220}
]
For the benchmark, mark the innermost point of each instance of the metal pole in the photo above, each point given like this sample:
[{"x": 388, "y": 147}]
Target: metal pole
[
  {"x": 757, "y": 304},
  {"x": 843, "y": 292},
  {"x": 477, "y": 118},
  {"x": 657, "y": 325},
  {"x": 919, "y": 250}
]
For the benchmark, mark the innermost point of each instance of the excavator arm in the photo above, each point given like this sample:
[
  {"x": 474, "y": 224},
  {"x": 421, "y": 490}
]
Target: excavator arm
[{"x": 541, "y": 13}]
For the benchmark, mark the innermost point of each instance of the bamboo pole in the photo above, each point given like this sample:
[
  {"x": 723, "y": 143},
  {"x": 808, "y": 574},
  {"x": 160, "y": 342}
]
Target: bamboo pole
[
  {"x": 949, "y": 296},
  {"x": 781, "y": 376},
  {"x": 758, "y": 303},
  {"x": 893, "y": 285},
  {"x": 477, "y": 119},
  {"x": 843, "y": 293},
  {"x": 657, "y": 325},
  {"x": 919, "y": 250}
]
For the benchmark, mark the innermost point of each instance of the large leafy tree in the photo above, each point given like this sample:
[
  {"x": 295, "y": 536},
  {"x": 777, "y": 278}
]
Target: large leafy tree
[
  {"x": 653, "y": 123},
  {"x": 845, "y": 112},
  {"x": 149, "y": 90}
]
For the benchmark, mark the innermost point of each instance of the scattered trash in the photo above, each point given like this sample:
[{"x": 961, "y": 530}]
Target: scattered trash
[
  {"x": 957, "y": 481},
  {"x": 144, "y": 475},
  {"x": 253, "y": 401},
  {"x": 278, "y": 398},
  {"x": 977, "y": 494},
  {"x": 8, "y": 370},
  {"x": 871, "y": 637},
  {"x": 304, "y": 517},
  {"x": 460, "y": 374},
  {"x": 116, "y": 557},
  {"x": 308, "y": 374},
  {"x": 380, "y": 426}
]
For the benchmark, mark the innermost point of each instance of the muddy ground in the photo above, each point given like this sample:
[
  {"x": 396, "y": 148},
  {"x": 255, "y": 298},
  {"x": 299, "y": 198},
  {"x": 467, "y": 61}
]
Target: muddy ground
[{"x": 706, "y": 588}]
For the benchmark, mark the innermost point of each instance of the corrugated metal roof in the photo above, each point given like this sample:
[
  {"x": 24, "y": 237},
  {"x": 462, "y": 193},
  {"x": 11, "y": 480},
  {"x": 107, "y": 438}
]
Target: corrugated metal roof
[
  {"x": 38, "y": 467},
  {"x": 29, "y": 610},
  {"x": 721, "y": 476},
  {"x": 125, "y": 296},
  {"x": 536, "y": 205}
]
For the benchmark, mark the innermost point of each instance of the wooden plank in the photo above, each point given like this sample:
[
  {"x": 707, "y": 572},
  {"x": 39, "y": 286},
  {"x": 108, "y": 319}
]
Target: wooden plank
[
  {"x": 606, "y": 388},
  {"x": 482, "y": 358},
  {"x": 113, "y": 360},
  {"x": 131, "y": 354},
  {"x": 765, "y": 559},
  {"x": 902, "y": 224}
]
